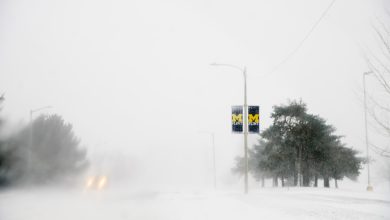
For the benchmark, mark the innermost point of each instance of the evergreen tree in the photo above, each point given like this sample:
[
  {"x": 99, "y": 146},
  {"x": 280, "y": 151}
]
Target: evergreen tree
[
  {"x": 300, "y": 147},
  {"x": 55, "y": 153}
]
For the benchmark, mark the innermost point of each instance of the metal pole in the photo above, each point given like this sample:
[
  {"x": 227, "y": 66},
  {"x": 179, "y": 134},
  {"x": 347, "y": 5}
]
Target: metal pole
[
  {"x": 31, "y": 140},
  {"x": 215, "y": 170},
  {"x": 212, "y": 135},
  {"x": 245, "y": 132},
  {"x": 28, "y": 165},
  {"x": 245, "y": 122},
  {"x": 369, "y": 187}
]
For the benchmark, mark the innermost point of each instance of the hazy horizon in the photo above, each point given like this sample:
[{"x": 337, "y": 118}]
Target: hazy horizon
[{"x": 134, "y": 77}]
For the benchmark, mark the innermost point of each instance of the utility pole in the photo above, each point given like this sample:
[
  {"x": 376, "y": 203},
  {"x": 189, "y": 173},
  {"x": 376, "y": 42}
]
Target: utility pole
[{"x": 369, "y": 187}]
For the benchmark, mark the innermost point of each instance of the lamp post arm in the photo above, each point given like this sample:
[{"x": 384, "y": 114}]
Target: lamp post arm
[
  {"x": 39, "y": 109},
  {"x": 229, "y": 65}
]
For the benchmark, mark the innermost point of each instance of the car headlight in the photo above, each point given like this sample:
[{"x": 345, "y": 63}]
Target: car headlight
[
  {"x": 90, "y": 182},
  {"x": 102, "y": 182}
]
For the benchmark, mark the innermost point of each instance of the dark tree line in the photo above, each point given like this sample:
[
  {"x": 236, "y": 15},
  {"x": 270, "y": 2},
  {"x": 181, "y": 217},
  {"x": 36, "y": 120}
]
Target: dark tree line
[
  {"x": 299, "y": 149},
  {"x": 50, "y": 153}
]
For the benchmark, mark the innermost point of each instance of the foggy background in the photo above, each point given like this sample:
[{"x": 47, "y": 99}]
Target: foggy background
[{"x": 133, "y": 77}]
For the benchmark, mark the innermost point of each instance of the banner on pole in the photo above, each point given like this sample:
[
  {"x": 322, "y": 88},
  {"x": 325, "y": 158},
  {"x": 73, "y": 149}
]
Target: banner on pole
[
  {"x": 237, "y": 119},
  {"x": 253, "y": 119}
]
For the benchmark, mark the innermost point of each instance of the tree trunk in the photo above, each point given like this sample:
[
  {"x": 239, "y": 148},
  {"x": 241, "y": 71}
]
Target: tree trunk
[
  {"x": 295, "y": 178},
  {"x": 282, "y": 178},
  {"x": 262, "y": 181},
  {"x": 306, "y": 180},
  {"x": 335, "y": 183},
  {"x": 275, "y": 181},
  {"x": 326, "y": 182},
  {"x": 316, "y": 180},
  {"x": 300, "y": 166}
]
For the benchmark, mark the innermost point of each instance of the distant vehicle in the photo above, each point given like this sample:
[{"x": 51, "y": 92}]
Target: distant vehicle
[{"x": 96, "y": 182}]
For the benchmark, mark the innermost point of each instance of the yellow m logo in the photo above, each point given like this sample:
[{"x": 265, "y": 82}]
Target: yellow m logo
[
  {"x": 253, "y": 118},
  {"x": 237, "y": 118}
]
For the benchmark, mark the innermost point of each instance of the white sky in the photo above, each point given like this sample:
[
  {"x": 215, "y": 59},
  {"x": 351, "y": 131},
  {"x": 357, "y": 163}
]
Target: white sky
[{"x": 134, "y": 76}]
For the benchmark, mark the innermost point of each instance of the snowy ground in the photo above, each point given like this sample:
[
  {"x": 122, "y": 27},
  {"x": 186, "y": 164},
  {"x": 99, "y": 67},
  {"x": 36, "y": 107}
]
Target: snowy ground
[{"x": 279, "y": 203}]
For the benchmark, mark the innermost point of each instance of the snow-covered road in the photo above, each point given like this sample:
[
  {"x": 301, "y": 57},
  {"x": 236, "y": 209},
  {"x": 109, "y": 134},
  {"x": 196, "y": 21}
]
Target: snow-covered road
[{"x": 293, "y": 203}]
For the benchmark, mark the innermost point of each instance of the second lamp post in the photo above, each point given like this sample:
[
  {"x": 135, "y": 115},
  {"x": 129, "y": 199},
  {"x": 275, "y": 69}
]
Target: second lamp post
[{"x": 243, "y": 70}]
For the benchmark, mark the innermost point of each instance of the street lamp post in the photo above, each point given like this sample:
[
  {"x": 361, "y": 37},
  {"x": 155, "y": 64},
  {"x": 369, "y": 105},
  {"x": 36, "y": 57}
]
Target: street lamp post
[
  {"x": 243, "y": 70},
  {"x": 369, "y": 187},
  {"x": 215, "y": 170},
  {"x": 213, "y": 143},
  {"x": 29, "y": 151}
]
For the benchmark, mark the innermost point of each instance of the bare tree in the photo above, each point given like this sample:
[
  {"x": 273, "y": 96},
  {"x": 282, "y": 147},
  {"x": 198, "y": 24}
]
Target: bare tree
[{"x": 379, "y": 65}]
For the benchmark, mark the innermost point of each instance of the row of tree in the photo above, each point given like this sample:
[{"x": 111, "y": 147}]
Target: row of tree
[
  {"x": 299, "y": 149},
  {"x": 42, "y": 152}
]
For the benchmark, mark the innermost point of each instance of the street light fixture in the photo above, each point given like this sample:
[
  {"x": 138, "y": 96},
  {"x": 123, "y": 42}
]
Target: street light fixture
[
  {"x": 369, "y": 187},
  {"x": 243, "y": 70}
]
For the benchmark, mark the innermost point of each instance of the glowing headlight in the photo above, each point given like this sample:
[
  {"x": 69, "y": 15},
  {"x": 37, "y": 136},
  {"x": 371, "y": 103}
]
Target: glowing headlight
[
  {"x": 90, "y": 182},
  {"x": 102, "y": 182}
]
